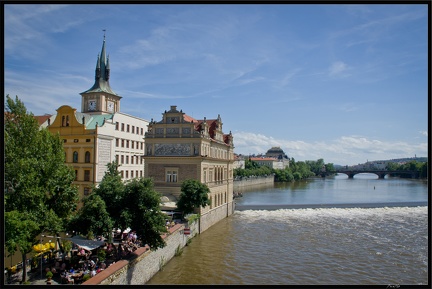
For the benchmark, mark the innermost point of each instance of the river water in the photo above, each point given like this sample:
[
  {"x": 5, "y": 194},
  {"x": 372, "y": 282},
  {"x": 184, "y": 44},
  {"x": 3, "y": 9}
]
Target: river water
[{"x": 349, "y": 244}]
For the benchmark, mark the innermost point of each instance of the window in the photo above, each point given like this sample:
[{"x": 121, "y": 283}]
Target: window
[
  {"x": 122, "y": 143},
  {"x": 127, "y": 128},
  {"x": 117, "y": 159},
  {"x": 142, "y": 131},
  {"x": 117, "y": 126},
  {"x": 127, "y": 174},
  {"x": 132, "y": 144},
  {"x": 132, "y": 158},
  {"x": 86, "y": 191},
  {"x": 122, "y": 126},
  {"x": 171, "y": 176},
  {"x": 87, "y": 157},
  {"x": 86, "y": 175},
  {"x": 88, "y": 140},
  {"x": 127, "y": 143},
  {"x": 67, "y": 120},
  {"x": 76, "y": 175},
  {"x": 127, "y": 159},
  {"x": 122, "y": 159},
  {"x": 132, "y": 174},
  {"x": 117, "y": 142},
  {"x": 133, "y": 129},
  {"x": 63, "y": 120},
  {"x": 75, "y": 156},
  {"x": 122, "y": 174}
]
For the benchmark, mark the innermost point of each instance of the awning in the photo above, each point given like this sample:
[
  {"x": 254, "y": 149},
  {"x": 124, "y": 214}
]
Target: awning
[{"x": 85, "y": 243}]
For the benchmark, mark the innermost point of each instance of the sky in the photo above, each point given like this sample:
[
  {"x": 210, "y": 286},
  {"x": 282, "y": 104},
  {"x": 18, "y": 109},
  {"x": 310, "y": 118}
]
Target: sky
[{"x": 347, "y": 83}]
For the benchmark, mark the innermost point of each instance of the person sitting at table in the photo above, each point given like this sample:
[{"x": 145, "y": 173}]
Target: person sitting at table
[
  {"x": 92, "y": 264},
  {"x": 72, "y": 270},
  {"x": 93, "y": 272}
]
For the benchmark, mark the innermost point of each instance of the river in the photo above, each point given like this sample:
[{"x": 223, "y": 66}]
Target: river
[{"x": 367, "y": 231}]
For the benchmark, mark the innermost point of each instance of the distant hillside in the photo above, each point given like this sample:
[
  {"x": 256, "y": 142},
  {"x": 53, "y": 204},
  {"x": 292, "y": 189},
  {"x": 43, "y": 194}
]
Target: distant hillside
[{"x": 401, "y": 160}]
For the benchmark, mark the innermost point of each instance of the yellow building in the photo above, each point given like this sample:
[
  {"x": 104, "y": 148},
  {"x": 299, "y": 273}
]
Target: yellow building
[
  {"x": 180, "y": 147},
  {"x": 100, "y": 133}
]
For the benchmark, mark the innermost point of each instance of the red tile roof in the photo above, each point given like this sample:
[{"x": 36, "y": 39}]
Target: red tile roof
[{"x": 42, "y": 118}]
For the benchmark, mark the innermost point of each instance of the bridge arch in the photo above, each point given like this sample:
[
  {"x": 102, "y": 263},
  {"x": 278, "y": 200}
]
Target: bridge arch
[{"x": 351, "y": 174}]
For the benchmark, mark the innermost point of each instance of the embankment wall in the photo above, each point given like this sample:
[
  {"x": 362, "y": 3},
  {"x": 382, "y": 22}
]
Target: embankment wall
[
  {"x": 215, "y": 215},
  {"x": 252, "y": 181},
  {"x": 144, "y": 263}
]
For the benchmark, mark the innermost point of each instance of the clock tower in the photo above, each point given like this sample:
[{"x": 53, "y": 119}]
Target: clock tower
[{"x": 100, "y": 98}]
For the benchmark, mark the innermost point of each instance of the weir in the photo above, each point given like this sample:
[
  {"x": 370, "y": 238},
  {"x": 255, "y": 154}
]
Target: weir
[{"x": 315, "y": 206}]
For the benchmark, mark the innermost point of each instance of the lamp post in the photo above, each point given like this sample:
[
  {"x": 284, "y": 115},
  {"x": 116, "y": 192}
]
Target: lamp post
[{"x": 41, "y": 255}]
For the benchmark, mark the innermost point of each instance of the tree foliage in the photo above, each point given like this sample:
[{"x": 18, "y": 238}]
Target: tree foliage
[
  {"x": 296, "y": 170},
  {"x": 39, "y": 196},
  {"x": 194, "y": 194},
  {"x": 142, "y": 204},
  {"x": 134, "y": 204},
  {"x": 420, "y": 167}
]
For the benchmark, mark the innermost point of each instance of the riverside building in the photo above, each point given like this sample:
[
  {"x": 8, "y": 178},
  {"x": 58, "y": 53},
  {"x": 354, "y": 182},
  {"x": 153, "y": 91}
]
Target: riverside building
[
  {"x": 179, "y": 147},
  {"x": 100, "y": 133}
]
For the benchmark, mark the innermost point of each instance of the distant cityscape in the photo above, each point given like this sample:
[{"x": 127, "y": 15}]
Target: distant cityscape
[{"x": 381, "y": 164}]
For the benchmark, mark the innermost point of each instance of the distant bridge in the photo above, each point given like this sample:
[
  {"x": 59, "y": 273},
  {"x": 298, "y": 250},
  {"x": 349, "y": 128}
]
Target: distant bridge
[{"x": 380, "y": 173}]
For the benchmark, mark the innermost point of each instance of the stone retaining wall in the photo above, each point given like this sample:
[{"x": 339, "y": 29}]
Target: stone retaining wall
[
  {"x": 144, "y": 263},
  {"x": 215, "y": 215},
  {"x": 252, "y": 181}
]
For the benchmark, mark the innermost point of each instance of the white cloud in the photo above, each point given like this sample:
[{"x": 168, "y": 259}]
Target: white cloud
[
  {"x": 424, "y": 132},
  {"x": 346, "y": 150},
  {"x": 338, "y": 68}
]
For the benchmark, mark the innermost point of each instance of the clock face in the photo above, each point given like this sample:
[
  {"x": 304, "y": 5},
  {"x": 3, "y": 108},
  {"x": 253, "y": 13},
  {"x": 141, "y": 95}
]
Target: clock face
[
  {"x": 92, "y": 105},
  {"x": 110, "y": 106}
]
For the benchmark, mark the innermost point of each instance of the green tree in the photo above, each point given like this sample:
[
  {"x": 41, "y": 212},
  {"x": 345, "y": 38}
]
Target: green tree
[
  {"x": 194, "y": 194},
  {"x": 112, "y": 189},
  {"x": 39, "y": 196},
  {"x": 391, "y": 166},
  {"x": 141, "y": 207},
  {"x": 93, "y": 218}
]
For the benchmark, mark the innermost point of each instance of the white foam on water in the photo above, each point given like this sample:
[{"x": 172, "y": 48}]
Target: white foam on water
[{"x": 346, "y": 213}]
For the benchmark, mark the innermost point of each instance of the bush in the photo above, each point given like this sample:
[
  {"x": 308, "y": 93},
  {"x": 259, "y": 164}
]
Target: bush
[{"x": 49, "y": 274}]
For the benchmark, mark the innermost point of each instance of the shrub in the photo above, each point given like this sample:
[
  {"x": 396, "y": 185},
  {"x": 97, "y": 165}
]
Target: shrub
[{"x": 49, "y": 274}]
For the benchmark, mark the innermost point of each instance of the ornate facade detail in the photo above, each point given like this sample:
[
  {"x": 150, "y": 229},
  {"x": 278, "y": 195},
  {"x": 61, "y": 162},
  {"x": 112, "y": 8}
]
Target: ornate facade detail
[{"x": 172, "y": 149}]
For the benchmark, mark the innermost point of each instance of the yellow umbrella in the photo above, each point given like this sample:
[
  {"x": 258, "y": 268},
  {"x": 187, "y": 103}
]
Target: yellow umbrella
[
  {"x": 49, "y": 246},
  {"x": 39, "y": 248}
]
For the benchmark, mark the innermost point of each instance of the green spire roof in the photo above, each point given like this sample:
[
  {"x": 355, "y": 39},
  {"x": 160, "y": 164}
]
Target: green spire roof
[{"x": 102, "y": 74}]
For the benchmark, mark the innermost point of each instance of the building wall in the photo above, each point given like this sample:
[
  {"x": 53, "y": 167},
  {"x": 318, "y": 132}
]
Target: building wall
[
  {"x": 195, "y": 149},
  {"x": 103, "y": 141}
]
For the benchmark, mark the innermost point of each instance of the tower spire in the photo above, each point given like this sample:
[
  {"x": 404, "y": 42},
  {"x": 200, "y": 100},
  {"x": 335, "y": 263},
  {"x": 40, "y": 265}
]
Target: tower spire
[{"x": 102, "y": 72}]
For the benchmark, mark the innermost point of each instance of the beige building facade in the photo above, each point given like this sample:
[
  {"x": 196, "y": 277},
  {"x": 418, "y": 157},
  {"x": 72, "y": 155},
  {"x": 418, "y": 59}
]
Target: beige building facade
[
  {"x": 99, "y": 133},
  {"x": 180, "y": 147}
]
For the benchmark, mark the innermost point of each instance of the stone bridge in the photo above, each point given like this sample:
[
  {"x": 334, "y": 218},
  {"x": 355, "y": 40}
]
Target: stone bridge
[{"x": 380, "y": 173}]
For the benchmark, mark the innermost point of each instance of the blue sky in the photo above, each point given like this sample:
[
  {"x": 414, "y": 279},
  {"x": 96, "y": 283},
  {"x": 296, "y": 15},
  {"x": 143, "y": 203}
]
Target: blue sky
[{"x": 346, "y": 83}]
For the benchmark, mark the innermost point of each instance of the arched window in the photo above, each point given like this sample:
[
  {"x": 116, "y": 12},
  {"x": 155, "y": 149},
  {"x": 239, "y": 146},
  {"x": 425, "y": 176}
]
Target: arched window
[
  {"x": 75, "y": 156},
  {"x": 87, "y": 157}
]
